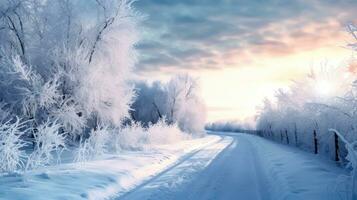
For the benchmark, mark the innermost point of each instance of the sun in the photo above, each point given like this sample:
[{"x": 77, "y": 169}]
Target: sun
[{"x": 323, "y": 87}]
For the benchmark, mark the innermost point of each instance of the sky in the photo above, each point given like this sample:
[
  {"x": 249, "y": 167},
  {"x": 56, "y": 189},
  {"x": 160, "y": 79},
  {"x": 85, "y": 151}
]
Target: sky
[{"x": 241, "y": 50}]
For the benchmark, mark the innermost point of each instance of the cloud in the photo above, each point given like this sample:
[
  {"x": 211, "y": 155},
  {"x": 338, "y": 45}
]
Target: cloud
[{"x": 195, "y": 34}]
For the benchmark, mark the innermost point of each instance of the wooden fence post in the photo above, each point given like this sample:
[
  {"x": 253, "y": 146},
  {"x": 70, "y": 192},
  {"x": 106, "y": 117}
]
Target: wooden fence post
[
  {"x": 337, "y": 148},
  {"x": 295, "y": 135},
  {"x": 271, "y": 132},
  {"x": 315, "y": 142},
  {"x": 287, "y": 136},
  {"x": 353, "y": 159}
]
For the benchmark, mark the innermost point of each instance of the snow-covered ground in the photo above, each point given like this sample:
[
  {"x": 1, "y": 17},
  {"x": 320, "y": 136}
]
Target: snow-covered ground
[
  {"x": 249, "y": 168},
  {"x": 99, "y": 179},
  {"x": 220, "y": 166}
]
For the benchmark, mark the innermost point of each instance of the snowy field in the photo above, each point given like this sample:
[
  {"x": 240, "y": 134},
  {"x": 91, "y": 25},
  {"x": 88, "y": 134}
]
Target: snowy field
[{"x": 98, "y": 179}]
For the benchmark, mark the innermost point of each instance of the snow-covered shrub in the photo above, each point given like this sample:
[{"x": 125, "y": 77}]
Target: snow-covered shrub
[
  {"x": 163, "y": 133},
  {"x": 192, "y": 120},
  {"x": 12, "y": 143},
  {"x": 137, "y": 137},
  {"x": 82, "y": 152},
  {"x": 50, "y": 142},
  {"x": 95, "y": 146},
  {"x": 131, "y": 137}
]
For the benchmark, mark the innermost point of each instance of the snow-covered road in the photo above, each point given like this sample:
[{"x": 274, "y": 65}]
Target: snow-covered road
[{"x": 246, "y": 167}]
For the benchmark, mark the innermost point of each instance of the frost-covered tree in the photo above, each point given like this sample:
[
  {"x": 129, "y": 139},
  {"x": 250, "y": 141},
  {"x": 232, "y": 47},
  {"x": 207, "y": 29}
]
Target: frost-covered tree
[
  {"x": 49, "y": 143},
  {"x": 311, "y": 106},
  {"x": 185, "y": 105},
  {"x": 177, "y": 101},
  {"x": 68, "y": 60},
  {"x": 96, "y": 145},
  {"x": 64, "y": 69}
]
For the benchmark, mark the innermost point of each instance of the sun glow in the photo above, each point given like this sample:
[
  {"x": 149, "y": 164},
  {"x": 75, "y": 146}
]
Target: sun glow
[{"x": 324, "y": 87}]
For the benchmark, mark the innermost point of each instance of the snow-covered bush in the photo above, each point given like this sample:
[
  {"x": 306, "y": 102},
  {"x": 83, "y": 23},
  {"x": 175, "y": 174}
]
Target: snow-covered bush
[
  {"x": 132, "y": 137},
  {"x": 96, "y": 145},
  {"x": 163, "y": 133},
  {"x": 50, "y": 143},
  {"x": 12, "y": 143}
]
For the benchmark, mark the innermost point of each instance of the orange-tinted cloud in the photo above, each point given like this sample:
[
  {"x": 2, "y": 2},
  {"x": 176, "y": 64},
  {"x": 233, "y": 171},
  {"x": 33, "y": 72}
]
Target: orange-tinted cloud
[{"x": 242, "y": 49}]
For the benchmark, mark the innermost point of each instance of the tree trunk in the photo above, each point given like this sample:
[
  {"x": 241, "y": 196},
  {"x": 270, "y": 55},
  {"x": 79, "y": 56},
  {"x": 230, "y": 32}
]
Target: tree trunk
[
  {"x": 287, "y": 136},
  {"x": 157, "y": 110}
]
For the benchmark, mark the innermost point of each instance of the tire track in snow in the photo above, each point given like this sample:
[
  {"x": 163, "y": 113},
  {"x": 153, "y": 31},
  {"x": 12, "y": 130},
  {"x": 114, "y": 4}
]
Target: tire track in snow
[
  {"x": 217, "y": 147},
  {"x": 242, "y": 166},
  {"x": 224, "y": 170}
]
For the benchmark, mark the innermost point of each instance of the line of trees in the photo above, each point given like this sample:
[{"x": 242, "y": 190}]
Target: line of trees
[
  {"x": 303, "y": 114},
  {"x": 64, "y": 68},
  {"x": 317, "y": 113},
  {"x": 231, "y": 126}
]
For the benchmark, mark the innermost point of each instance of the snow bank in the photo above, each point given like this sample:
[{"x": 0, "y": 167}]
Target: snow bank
[
  {"x": 98, "y": 179},
  {"x": 290, "y": 173}
]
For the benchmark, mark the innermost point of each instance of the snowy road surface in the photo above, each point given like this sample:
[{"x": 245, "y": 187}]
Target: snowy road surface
[{"x": 246, "y": 167}]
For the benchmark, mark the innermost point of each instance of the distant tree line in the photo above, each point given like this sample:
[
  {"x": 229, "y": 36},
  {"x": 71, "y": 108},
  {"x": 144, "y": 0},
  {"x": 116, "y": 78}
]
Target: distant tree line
[{"x": 231, "y": 126}]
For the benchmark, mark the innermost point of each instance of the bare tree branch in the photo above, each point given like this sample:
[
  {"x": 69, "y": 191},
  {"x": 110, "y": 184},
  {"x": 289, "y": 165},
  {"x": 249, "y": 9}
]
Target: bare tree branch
[
  {"x": 157, "y": 110},
  {"x": 13, "y": 27}
]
